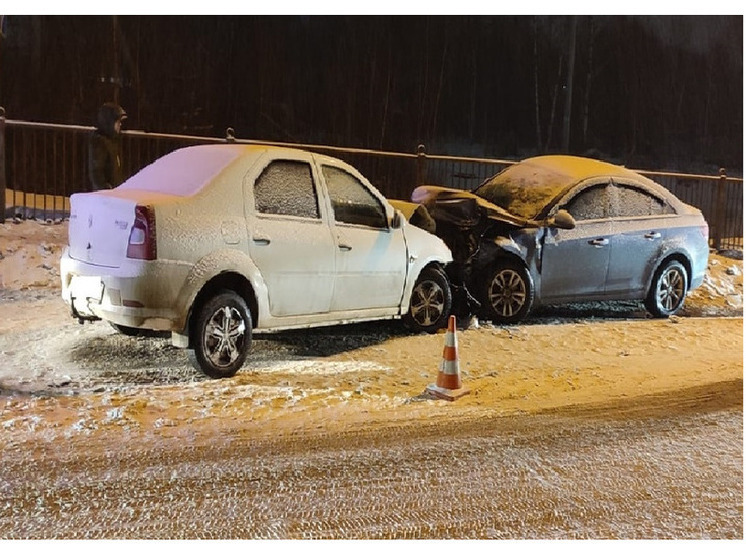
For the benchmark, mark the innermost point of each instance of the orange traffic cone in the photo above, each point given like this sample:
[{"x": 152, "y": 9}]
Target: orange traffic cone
[{"x": 448, "y": 385}]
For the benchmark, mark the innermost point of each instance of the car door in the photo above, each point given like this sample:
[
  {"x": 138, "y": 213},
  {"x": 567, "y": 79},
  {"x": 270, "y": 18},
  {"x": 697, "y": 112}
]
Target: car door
[
  {"x": 290, "y": 241},
  {"x": 371, "y": 257},
  {"x": 641, "y": 222},
  {"x": 575, "y": 261}
]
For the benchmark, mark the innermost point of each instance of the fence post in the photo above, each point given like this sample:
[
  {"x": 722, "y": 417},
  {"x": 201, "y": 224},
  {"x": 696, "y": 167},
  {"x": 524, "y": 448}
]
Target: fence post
[
  {"x": 421, "y": 165},
  {"x": 720, "y": 211},
  {"x": 2, "y": 165}
]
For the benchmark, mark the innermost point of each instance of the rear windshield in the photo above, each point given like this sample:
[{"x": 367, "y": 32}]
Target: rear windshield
[{"x": 183, "y": 172}]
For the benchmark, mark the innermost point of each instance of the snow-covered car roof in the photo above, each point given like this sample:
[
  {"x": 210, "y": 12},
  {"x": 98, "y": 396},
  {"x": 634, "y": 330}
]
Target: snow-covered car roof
[
  {"x": 185, "y": 171},
  {"x": 526, "y": 187}
]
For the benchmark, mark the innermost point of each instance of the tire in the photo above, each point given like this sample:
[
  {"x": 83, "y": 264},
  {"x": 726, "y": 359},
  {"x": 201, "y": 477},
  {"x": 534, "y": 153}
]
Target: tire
[
  {"x": 430, "y": 302},
  {"x": 507, "y": 293},
  {"x": 668, "y": 290},
  {"x": 220, "y": 335}
]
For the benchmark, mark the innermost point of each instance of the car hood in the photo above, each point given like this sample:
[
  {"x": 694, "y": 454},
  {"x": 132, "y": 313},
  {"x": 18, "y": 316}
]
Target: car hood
[{"x": 463, "y": 208}]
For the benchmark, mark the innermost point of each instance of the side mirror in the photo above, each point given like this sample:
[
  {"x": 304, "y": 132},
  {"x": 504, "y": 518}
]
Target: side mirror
[
  {"x": 563, "y": 220},
  {"x": 397, "y": 220}
]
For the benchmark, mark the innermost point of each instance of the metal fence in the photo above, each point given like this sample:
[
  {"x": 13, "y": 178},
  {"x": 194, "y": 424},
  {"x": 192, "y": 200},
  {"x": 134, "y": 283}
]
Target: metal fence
[{"x": 41, "y": 165}]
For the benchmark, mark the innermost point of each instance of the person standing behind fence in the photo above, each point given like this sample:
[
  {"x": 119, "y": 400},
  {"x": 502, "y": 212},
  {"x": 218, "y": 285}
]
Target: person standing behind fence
[{"x": 105, "y": 148}]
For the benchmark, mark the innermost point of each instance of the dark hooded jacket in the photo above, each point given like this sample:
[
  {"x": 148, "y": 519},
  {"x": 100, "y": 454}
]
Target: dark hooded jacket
[{"x": 105, "y": 149}]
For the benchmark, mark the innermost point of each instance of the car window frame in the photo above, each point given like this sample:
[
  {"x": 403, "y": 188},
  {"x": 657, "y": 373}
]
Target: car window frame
[
  {"x": 619, "y": 184},
  {"x": 575, "y": 191},
  {"x": 367, "y": 188},
  {"x": 256, "y": 175}
]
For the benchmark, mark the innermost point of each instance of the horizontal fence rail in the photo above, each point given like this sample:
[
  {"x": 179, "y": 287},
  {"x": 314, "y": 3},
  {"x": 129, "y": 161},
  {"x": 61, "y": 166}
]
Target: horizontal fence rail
[{"x": 41, "y": 165}]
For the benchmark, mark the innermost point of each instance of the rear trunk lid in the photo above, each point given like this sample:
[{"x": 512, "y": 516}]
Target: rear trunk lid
[{"x": 101, "y": 223}]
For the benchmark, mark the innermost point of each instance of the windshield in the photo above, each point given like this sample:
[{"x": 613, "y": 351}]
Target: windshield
[
  {"x": 524, "y": 189},
  {"x": 183, "y": 172}
]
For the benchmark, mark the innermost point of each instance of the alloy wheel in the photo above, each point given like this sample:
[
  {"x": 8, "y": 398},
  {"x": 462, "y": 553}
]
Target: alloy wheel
[
  {"x": 428, "y": 302},
  {"x": 224, "y": 336},
  {"x": 671, "y": 290},
  {"x": 507, "y": 293}
]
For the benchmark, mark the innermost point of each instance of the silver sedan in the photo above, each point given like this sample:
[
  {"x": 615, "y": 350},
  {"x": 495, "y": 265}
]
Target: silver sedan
[{"x": 560, "y": 229}]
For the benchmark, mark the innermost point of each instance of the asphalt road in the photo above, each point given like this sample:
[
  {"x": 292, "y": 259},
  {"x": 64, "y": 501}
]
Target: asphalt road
[
  {"x": 102, "y": 436},
  {"x": 662, "y": 467}
]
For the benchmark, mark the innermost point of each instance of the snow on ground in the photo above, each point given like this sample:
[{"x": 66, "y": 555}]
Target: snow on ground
[
  {"x": 29, "y": 254},
  {"x": 584, "y": 421},
  {"x": 577, "y": 355}
]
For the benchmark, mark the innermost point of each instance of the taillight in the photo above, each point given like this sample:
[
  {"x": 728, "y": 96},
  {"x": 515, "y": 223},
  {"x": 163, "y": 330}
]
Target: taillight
[
  {"x": 141, "y": 243},
  {"x": 705, "y": 231}
]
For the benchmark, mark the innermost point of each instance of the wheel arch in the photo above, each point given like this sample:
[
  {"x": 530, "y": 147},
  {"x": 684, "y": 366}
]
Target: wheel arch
[
  {"x": 231, "y": 270},
  {"x": 669, "y": 302},
  {"x": 680, "y": 257},
  {"x": 230, "y": 281},
  {"x": 499, "y": 261},
  {"x": 503, "y": 252},
  {"x": 435, "y": 272},
  {"x": 413, "y": 275}
]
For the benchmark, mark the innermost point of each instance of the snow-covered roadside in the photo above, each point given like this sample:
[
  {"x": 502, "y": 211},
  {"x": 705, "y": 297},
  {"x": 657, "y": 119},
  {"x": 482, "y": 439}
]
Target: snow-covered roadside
[
  {"x": 584, "y": 421},
  {"x": 30, "y": 253},
  {"x": 60, "y": 379}
]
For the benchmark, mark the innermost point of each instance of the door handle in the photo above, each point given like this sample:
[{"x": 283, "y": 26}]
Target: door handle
[
  {"x": 344, "y": 247},
  {"x": 261, "y": 241},
  {"x": 599, "y": 242},
  {"x": 653, "y": 235}
]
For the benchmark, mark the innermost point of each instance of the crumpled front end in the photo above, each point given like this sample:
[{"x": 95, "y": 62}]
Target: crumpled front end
[{"x": 476, "y": 231}]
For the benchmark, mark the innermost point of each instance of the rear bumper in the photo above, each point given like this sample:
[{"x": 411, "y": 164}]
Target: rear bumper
[
  {"x": 141, "y": 295},
  {"x": 698, "y": 278},
  {"x": 700, "y": 260}
]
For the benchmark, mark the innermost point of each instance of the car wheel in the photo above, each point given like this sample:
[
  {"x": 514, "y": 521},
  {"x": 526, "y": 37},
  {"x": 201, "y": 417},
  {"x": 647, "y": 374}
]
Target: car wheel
[
  {"x": 221, "y": 335},
  {"x": 668, "y": 290},
  {"x": 430, "y": 302},
  {"x": 508, "y": 293}
]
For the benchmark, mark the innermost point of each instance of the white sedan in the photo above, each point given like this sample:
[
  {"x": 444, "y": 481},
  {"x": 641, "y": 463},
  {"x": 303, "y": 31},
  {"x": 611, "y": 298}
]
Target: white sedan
[{"x": 213, "y": 242}]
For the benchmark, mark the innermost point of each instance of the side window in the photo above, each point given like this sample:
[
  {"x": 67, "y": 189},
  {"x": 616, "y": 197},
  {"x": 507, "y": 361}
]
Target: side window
[
  {"x": 351, "y": 201},
  {"x": 286, "y": 188},
  {"x": 633, "y": 202},
  {"x": 591, "y": 203}
]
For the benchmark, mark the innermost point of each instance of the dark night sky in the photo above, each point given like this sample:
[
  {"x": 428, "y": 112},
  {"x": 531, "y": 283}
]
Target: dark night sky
[{"x": 654, "y": 91}]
